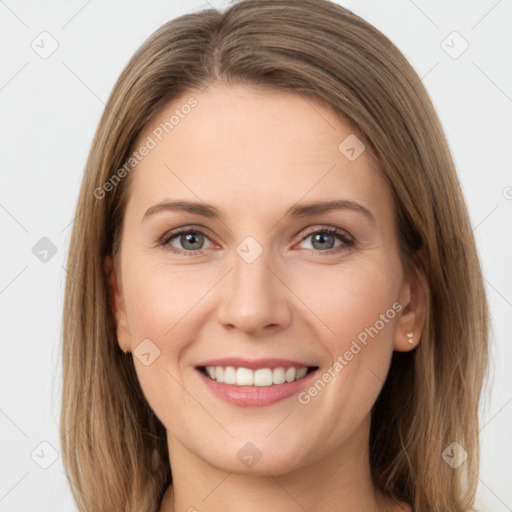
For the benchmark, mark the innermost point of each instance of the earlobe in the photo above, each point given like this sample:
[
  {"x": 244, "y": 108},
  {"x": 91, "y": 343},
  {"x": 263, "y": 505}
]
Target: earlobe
[
  {"x": 414, "y": 299},
  {"x": 116, "y": 304}
]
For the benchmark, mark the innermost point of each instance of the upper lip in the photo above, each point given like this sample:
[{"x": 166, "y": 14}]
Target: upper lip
[{"x": 254, "y": 364}]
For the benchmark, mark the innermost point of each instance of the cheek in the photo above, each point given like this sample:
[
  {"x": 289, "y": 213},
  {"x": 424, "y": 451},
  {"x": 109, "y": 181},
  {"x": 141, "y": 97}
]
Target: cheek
[
  {"x": 353, "y": 298},
  {"x": 359, "y": 310},
  {"x": 365, "y": 303},
  {"x": 161, "y": 303},
  {"x": 159, "y": 299}
]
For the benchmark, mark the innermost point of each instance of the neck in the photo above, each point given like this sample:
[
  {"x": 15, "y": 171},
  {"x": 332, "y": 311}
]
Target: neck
[{"x": 339, "y": 481}]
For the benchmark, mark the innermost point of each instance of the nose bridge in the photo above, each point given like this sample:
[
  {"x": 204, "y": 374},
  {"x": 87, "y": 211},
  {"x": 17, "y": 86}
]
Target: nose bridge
[{"x": 252, "y": 297}]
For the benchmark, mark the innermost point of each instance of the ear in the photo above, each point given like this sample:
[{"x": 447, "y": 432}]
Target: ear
[
  {"x": 117, "y": 305},
  {"x": 413, "y": 298}
]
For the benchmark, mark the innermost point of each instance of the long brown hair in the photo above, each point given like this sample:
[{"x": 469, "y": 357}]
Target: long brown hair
[{"x": 114, "y": 447}]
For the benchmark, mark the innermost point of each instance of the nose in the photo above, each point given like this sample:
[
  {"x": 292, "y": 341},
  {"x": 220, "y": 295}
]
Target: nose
[{"x": 253, "y": 297}]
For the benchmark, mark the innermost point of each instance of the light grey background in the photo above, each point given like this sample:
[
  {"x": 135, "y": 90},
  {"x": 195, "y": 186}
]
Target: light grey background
[{"x": 50, "y": 108}]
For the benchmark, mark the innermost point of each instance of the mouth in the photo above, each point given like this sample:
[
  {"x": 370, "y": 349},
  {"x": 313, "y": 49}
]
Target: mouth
[{"x": 260, "y": 377}]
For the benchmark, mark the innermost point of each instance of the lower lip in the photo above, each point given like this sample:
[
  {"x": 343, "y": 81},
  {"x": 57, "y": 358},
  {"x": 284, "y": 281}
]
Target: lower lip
[{"x": 255, "y": 396}]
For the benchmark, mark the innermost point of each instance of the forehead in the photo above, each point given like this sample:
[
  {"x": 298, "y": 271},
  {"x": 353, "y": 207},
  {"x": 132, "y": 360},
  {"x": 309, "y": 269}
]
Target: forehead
[{"x": 246, "y": 148}]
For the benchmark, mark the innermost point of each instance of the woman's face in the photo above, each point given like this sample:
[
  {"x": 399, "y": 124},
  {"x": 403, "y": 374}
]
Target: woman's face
[{"x": 257, "y": 274}]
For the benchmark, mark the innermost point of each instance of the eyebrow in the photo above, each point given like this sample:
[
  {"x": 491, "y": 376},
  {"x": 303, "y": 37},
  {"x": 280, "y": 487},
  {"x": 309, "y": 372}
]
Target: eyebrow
[{"x": 303, "y": 210}]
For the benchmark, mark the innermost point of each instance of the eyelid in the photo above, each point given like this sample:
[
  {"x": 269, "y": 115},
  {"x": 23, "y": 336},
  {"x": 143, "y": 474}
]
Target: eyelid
[
  {"x": 185, "y": 229},
  {"x": 324, "y": 228}
]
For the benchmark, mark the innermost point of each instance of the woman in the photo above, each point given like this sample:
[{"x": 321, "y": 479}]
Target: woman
[{"x": 274, "y": 299}]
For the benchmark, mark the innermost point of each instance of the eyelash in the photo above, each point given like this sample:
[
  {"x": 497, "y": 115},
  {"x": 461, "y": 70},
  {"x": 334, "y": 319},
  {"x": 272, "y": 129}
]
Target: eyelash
[{"x": 348, "y": 240}]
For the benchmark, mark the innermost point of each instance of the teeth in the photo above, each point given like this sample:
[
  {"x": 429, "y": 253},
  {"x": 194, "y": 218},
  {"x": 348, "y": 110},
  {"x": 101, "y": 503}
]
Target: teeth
[
  {"x": 244, "y": 377},
  {"x": 259, "y": 377}
]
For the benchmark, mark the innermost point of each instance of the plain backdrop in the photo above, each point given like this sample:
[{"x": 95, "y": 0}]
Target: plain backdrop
[{"x": 59, "y": 61}]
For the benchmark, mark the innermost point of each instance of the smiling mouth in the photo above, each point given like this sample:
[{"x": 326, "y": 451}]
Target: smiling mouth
[{"x": 262, "y": 377}]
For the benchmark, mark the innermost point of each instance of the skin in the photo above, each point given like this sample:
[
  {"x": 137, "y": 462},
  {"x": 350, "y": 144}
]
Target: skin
[{"x": 253, "y": 154}]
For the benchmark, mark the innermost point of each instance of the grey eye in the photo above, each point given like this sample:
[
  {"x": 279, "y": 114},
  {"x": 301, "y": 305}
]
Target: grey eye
[
  {"x": 192, "y": 241},
  {"x": 188, "y": 241},
  {"x": 322, "y": 241}
]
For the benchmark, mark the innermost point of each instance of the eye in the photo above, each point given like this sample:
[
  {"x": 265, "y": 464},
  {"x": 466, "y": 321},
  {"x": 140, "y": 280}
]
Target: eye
[
  {"x": 323, "y": 240},
  {"x": 190, "y": 239}
]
